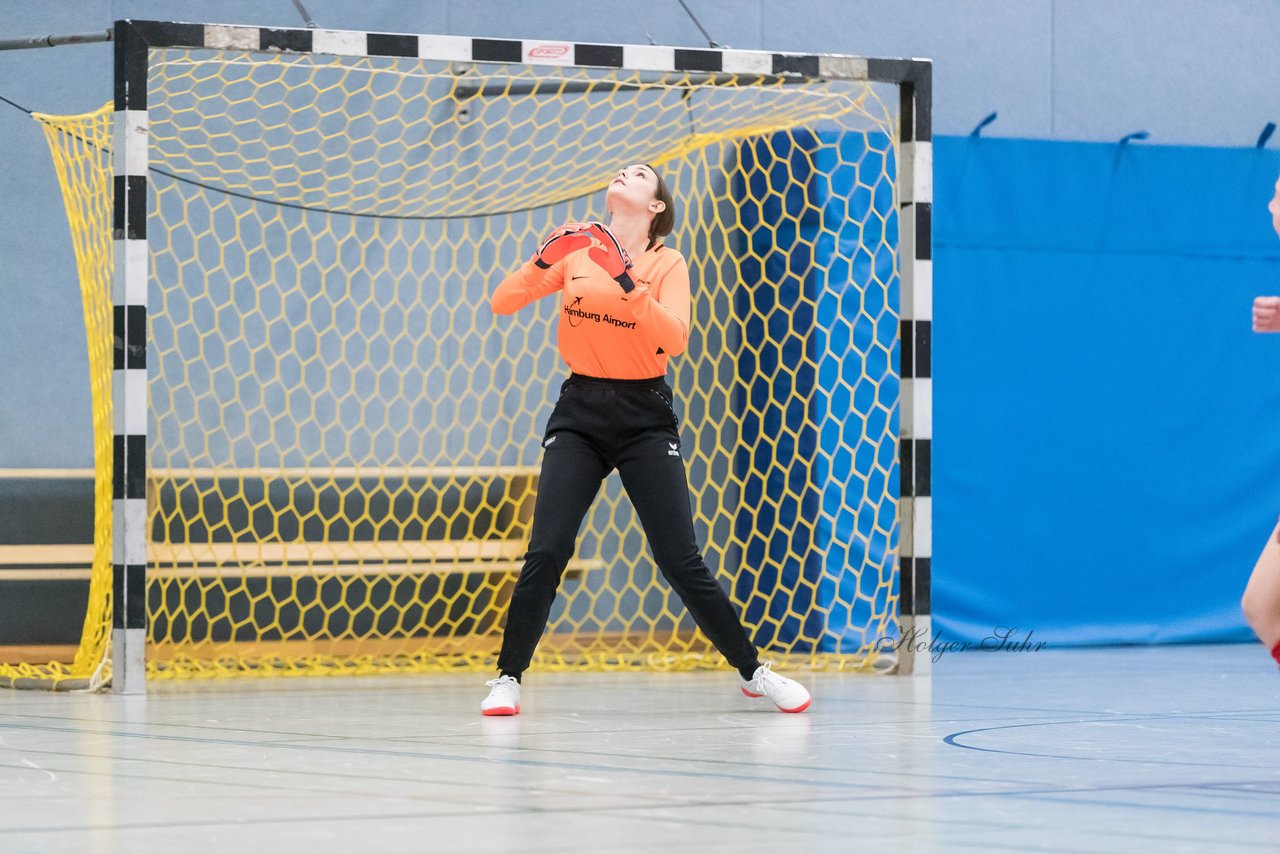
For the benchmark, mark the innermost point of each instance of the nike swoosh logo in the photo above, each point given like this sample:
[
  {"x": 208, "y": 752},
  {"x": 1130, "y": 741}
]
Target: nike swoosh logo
[{"x": 575, "y": 278}]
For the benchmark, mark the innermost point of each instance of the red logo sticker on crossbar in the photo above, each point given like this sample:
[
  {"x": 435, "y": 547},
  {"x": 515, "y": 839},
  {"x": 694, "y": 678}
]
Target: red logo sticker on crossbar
[{"x": 551, "y": 52}]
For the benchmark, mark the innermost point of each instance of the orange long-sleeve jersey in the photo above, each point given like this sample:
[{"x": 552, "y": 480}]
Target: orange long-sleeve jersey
[{"x": 605, "y": 332}]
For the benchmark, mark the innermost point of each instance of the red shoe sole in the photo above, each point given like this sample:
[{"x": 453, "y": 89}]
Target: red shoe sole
[
  {"x": 794, "y": 711},
  {"x": 500, "y": 710}
]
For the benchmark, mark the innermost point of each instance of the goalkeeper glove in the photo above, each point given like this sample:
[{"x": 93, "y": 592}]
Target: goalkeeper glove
[
  {"x": 611, "y": 256},
  {"x": 569, "y": 237}
]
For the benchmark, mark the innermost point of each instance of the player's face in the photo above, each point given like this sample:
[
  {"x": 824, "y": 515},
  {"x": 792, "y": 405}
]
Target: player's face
[
  {"x": 633, "y": 190},
  {"x": 1274, "y": 207}
]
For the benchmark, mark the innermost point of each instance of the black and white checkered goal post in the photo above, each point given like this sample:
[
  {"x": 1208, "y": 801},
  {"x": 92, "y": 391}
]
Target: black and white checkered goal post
[
  {"x": 129, "y": 369},
  {"x": 915, "y": 268},
  {"x": 135, "y": 39}
]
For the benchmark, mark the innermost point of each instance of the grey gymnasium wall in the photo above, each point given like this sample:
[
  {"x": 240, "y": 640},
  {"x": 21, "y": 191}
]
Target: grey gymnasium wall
[{"x": 1190, "y": 72}]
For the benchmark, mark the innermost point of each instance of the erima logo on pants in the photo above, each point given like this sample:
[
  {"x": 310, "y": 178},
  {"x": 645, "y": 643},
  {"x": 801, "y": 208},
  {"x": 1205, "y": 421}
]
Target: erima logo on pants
[
  {"x": 547, "y": 444},
  {"x": 674, "y": 450}
]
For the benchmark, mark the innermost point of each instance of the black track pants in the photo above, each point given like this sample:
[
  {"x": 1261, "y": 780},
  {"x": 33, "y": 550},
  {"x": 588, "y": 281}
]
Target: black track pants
[{"x": 599, "y": 425}]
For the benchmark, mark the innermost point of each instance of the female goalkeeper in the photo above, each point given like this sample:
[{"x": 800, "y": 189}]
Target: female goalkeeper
[
  {"x": 624, "y": 309},
  {"x": 1261, "y": 601}
]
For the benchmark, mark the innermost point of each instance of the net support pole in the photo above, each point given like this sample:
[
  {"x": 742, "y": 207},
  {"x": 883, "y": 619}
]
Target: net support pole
[
  {"x": 914, "y": 78},
  {"x": 129, "y": 366},
  {"x": 28, "y": 42}
]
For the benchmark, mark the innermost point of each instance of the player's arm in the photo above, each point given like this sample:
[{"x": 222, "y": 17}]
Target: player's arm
[
  {"x": 664, "y": 318},
  {"x": 543, "y": 274},
  {"x": 1266, "y": 310}
]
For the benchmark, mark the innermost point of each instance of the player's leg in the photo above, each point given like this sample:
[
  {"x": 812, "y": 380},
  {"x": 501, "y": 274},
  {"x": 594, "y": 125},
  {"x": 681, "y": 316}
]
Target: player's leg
[
  {"x": 571, "y": 475},
  {"x": 1261, "y": 600},
  {"x": 654, "y": 477},
  {"x": 572, "y": 471}
]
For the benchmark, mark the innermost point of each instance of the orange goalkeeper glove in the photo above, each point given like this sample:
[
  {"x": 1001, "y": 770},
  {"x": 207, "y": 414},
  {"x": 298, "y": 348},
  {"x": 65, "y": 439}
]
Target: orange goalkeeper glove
[
  {"x": 611, "y": 256},
  {"x": 569, "y": 237}
]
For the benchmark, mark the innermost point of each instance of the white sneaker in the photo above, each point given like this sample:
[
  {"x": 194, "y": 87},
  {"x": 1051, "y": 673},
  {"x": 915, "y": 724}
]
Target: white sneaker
[
  {"x": 787, "y": 694},
  {"x": 504, "y": 699}
]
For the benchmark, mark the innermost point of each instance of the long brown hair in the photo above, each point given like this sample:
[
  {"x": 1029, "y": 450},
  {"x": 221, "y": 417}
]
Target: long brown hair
[{"x": 666, "y": 220}]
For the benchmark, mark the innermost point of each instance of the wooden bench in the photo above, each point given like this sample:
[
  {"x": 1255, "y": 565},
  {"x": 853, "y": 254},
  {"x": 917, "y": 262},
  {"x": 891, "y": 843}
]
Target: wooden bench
[
  {"x": 40, "y": 562},
  {"x": 226, "y": 526}
]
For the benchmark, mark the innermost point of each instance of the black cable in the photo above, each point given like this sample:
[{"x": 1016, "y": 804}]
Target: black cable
[
  {"x": 13, "y": 104},
  {"x": 306, "y": 16},
  {"x": 336, "y": 212},
  {"x": 706, "y": 35},
  {"x": 331, "y": 211}
]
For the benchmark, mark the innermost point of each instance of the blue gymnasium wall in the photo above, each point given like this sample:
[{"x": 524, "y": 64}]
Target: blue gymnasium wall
[{"x": 1106, "y": 458}]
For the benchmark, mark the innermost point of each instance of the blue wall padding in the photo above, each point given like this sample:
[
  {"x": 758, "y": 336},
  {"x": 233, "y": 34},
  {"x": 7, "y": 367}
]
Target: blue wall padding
[
  {"x": 818, "y": 221},
  {"x": 1106, "y": 461}
]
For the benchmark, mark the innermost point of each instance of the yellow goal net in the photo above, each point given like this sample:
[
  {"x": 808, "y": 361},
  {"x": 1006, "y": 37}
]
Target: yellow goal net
[{"x": 343, "y": 441}]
